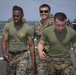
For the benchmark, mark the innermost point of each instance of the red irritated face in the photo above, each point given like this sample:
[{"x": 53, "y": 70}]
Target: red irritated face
[{"x": 60, "y": 25}]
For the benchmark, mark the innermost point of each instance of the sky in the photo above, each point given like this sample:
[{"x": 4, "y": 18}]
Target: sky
[{"x": 31, "y": 8}]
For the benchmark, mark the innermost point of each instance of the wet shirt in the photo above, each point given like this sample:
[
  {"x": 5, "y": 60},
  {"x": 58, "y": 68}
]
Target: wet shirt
[
  {"x": 18, "y": 36},
  {"x": 59, "y": 42}
]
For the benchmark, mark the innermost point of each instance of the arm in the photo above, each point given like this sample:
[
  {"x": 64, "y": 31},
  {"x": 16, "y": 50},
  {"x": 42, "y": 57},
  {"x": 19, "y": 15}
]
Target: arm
[
  {"x": 74, "y": 48},
  {"x": 32, "y": 52},
  {"x": 4, "y": 47},
  {"x": 42, "y": 54}
]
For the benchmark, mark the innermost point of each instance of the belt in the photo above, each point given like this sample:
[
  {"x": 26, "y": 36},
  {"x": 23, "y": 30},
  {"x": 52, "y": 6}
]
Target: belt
[{"x": 17, "y": 52}]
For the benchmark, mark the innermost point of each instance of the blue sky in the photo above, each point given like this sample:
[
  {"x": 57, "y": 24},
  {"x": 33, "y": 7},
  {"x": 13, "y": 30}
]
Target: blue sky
[{"x": 31, "y": 8}]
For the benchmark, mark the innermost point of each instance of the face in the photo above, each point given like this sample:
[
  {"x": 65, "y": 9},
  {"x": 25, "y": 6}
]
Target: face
[
  {"x": 44, "y": 12},
  {"x": 60, "y": 25},
  {"x": 17, "y": 16}
]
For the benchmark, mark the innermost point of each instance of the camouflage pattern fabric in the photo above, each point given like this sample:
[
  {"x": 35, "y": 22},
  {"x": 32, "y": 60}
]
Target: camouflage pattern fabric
[
  {"x": 55, "y": 66},
  {"x": 41, "y": 67},
  {"x": 59, "y": 66},
  {"x": 17, "y": 64},
  {"x": 38, "y": 29}
]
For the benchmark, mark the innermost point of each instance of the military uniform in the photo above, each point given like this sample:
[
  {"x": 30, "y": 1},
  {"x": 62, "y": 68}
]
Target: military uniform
[
  {"x": 38, "y": 29},
  {"x": 17, "y": 47},
  {"x": 58, "y": 58}
]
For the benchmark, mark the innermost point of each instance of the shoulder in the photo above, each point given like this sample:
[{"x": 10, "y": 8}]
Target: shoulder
[
  {"x": 38, "y": 23},
  {"x": 10, "y": 20},
  {"x": 26, "y": 25},
  {"x": 70, "y": 29},
  {"x": 9, "y": 24},
  {"x": 49, "y": 28}
]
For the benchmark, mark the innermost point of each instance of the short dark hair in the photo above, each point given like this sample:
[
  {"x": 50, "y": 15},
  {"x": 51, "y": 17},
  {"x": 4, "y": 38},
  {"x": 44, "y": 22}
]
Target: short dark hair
[
  {"x": 45, "y": 5},
  {"x": 60, "y": 16},
  {"x": 17, "y": 8}
]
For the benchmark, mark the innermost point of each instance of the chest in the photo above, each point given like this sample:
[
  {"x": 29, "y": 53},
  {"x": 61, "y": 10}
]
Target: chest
[
  {"x": 20, "y": 31},
  {"x": 55, "y": 38}
]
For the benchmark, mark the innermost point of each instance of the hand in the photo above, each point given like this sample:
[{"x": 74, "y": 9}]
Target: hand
[
  {"x": 42, "y": 55},
  {"x": 5, "y": 56},
  {"x": 33, "y": 68}
]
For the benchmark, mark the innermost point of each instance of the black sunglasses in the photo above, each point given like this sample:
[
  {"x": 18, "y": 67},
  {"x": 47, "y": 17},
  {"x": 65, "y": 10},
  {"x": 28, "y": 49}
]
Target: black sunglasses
[{"x": 45, "y": 11}]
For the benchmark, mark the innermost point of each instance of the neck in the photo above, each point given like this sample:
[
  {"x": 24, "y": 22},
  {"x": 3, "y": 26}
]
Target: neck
[
  {"x": 19, "y": 23},
  {"x": 46, "y": 21}
]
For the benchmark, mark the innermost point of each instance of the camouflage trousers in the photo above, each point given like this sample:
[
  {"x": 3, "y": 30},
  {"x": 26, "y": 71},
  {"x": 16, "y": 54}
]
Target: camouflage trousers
[
  {"x": 59, "y": 66},
  {"x": 17, "y": 64},
  {"x": 54, "y": 66},
  {"x": 40, "y": 65}
]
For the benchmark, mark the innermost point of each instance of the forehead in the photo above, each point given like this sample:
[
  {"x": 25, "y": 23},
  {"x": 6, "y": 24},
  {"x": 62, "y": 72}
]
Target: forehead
[
  {"x": 44, "y": 8},
  {"x": 57, "y": 20},
  {"x": 60, "y": 22},
  {"x": 16, "y": 12}
]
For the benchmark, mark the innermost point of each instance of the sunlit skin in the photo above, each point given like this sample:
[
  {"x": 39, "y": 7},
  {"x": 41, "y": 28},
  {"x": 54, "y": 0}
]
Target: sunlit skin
[
  {"x": 44, "y": 15},
  {"x": 60, "y": 25},
  {"x": 17, "y": 16}
]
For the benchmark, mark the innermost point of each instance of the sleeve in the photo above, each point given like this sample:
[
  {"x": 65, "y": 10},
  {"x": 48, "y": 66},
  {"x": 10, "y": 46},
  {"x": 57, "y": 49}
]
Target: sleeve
[
  {"x": 6, "y": 27},
  {"x": 74, "y": 37},
  {"x": 43, "y": 36},
  {"x": 30, "y": 33}
]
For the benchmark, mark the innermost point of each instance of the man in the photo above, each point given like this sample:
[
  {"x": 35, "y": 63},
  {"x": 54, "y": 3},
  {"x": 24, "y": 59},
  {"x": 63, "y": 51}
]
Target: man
[
  {"x": 11, "y": 19},
  {"x": 74, "y": 24},
  {"x": 68, "y": 22},
  {"x": 45, "y": 22},
  {"x": 60, "y": 37},
  {"x": 15, "y": 37}
]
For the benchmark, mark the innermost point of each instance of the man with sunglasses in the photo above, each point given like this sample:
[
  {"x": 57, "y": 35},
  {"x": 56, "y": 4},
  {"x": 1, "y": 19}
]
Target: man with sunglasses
[{"x": 45, "y": 22}]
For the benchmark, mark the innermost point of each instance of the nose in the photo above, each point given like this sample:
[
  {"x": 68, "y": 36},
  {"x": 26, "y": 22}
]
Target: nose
[{"x": 15, "y": 17}]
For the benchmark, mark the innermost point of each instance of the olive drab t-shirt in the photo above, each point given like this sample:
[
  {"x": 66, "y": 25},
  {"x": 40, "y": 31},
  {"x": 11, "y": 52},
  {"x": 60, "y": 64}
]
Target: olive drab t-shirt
[
  {"x": 18, "y": 36},
  {"x": 59, "y": 42}
]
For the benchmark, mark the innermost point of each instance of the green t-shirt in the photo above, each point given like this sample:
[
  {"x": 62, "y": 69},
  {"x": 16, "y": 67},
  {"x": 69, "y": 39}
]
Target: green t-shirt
[
  {"x": 18, "y": 36},
  {"x": 59, "y": 42}
]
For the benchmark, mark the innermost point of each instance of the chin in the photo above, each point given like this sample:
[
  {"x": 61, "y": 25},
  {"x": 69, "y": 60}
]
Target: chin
[
  {"x": 60, "y": 30},
  {"x": 43, "y": 18}
]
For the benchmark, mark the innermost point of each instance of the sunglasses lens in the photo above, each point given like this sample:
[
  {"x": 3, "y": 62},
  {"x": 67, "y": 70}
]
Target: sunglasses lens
[{"x": 45, "y": 11}]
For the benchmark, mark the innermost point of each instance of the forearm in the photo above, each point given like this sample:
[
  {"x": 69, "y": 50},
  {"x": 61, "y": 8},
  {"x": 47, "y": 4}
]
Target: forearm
[
  {"x": 40, "y": 47},
  {"x": 75, "y": 52},
  {"x": 4, "y": 47},
  {"x": 32, "y": 53}
]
